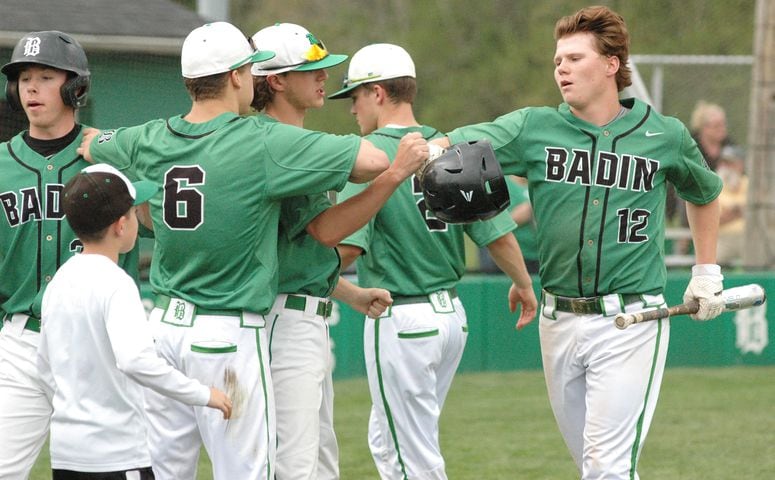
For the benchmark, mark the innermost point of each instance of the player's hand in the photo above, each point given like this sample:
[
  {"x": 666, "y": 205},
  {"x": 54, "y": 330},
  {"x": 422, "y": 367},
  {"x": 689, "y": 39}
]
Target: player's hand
[
  {"x": 380, "y": 301},
  {"x": 412, "y": 154},
  {"x": 88, "y": 136},
  {"x": 434, "y": 152},
  {"x": 705, "y": 287},
  {"x": 526, "y": 298},
  {"x": 220, "y": 401},
  {"x": 368, "y": 301}
]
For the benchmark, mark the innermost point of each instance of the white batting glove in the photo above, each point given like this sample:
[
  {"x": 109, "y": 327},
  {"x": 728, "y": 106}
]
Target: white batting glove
[
  {"x": 706, "y": 287},
  {"x": 434, "y": 152}
]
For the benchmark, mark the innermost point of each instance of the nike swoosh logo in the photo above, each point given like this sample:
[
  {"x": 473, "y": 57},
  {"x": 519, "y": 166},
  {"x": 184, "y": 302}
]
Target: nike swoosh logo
[{"x": 653, "y": 134}]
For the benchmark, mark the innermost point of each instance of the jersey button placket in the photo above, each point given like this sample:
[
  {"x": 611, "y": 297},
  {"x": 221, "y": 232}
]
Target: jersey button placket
[{"x": 49, "y": 167}]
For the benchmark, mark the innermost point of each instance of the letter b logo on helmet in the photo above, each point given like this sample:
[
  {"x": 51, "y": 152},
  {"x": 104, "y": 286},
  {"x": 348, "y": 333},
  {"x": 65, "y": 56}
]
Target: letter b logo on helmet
[
  {"x": 32, "y": 46},
  {"x": 52, "y": 49},
  {"x": 465, "y": 184}
]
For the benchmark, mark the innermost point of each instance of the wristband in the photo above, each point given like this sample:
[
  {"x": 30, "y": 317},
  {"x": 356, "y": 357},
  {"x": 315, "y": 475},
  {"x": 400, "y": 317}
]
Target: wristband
[{"x": 706, "y": 269}]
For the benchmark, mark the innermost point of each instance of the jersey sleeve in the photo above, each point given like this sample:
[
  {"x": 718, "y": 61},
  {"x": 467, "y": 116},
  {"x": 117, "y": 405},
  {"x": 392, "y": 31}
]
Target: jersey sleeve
[
  {"x": 297, "y": 212},
  {"x": 114, "y": 147},
  {"x": 696, "y": 182},
  {"x": 132, "y": 345},
  {"x": 503, "y": 133},
  {"x": 362, "y": 236},
  {"x": 303, "y": 161},
  {"x": 484, "y": 233},
  {"x": 518, "y": 194}
]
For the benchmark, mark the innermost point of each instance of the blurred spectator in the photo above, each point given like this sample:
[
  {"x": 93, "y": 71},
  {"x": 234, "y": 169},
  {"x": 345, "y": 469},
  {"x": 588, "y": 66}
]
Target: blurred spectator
[
  {"x": 733, "y": 198},
  {"x": 522, "y": 213},
  {"x": 709, "y": 129},
  {"x": 708, "y": 126}
]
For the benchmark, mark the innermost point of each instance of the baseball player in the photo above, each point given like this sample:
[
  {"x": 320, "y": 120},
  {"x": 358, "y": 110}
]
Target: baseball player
[
  {"x": 412, "y": 352},
  {"x": 48, "y": 78},
  {"x": 597, "y": 168},
  {"x": 300, "y": 354},
  {"x": 96, "y": 348},
  {"x": 214, "y": 268}
]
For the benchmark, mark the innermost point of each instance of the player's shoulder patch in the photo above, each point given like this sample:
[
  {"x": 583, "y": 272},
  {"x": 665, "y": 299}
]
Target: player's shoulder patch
[{"x": 106, "y": 136}]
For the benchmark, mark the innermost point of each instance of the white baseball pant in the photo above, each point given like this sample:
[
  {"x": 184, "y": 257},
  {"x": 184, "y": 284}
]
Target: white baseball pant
[
  {"x": 25, "y": 407},
  {"x": 301, "y": 363},
  {"x": 228, "y": 352},
  {"x": 411, "y": 358},
  {"x": 603, "y": 383}
]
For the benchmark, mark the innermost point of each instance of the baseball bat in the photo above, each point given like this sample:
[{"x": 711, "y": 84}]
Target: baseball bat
[{"x": 736, "y": 298}]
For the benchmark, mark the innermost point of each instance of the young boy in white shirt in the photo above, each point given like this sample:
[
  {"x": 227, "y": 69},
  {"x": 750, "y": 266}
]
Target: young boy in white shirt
[{"x": 96, "y": 351}]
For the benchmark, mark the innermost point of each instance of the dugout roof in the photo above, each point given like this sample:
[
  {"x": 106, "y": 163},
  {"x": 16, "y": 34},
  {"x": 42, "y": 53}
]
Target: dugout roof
[{"x": 150, "y": 26}]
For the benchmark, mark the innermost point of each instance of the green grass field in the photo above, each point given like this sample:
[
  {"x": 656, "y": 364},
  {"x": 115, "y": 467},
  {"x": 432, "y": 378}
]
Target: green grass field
[{"x": 711, "y": 424}]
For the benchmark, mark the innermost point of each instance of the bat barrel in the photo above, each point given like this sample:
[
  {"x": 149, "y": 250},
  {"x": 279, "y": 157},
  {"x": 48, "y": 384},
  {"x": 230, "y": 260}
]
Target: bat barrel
[{"x": 745, "y": 296}]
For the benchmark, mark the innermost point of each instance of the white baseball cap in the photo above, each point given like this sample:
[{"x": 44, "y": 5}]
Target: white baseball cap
[
  {"x": 217, "y": 47},
  {"x": 297, "y": 49},
  {"x": 373, "y": 63}
]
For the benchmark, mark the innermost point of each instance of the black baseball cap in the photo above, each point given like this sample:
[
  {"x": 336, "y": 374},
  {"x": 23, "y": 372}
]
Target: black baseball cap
[{"x": 99, "y": 195}]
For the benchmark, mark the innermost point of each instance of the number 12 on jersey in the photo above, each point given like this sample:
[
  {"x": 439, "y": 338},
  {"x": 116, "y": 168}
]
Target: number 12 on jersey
[{"x": 631, "y": 224}]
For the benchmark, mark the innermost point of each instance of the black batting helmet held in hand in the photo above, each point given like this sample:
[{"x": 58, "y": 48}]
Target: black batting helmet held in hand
[
  {"x": 53, "y": 49},
  {"x": 465, "y": 184}
]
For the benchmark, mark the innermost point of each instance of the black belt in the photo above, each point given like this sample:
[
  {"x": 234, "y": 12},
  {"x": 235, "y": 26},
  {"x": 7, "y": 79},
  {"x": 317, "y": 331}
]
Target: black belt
[
  {"x": 298, "y": 302},
  {"x": 163, "y": 302},
  {"x": 590, "y": 305},
  {"x": 408, "y": 299}
]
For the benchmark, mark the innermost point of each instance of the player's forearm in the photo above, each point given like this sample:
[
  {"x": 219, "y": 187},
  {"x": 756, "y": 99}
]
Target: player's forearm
[
  {"x": 348, "y": 254},
  {"x": 151, "y": 371},
  {"x": 507, "y": 256},
  {"x": 370, "y": 162},
  {"x": 522, "y": 213},
  {"x": 704, "y": 224},
  {"x": 345, "y": 291},
  {"x": 342, "y": 220}
]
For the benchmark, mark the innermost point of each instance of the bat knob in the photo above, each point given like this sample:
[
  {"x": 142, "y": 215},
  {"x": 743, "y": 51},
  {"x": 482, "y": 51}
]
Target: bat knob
[{"x": 621, "y": 321}]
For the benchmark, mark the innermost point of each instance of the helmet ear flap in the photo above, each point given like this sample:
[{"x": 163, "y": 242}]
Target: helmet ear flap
[
  {"x": 12, "y": 95},
  {"x": 75, "y": 91}
]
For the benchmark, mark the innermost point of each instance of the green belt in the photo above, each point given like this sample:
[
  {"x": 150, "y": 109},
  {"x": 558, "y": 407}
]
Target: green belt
[
  {"x": 32, "y": 324},
  {"x": 590, "y": 305},
  {"x": 163, "y": 301},
  {"x": 406, "y": 300},
  {"x": 297, "y": 302}
]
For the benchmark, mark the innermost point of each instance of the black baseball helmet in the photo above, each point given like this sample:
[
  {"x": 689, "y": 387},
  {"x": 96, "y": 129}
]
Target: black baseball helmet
[
  {"x": 53, "y": 49},
  {"x": 465, "y": 184}
]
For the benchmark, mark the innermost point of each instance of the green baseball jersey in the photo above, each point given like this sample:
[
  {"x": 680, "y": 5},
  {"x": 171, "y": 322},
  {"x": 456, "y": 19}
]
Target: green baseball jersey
[
  {"x": 305, "y": 265},
  {"x": 35, "y": 238},
  {"x": 599, "y": 192},
  {"x": 525, "y": 234},
  {"x": 406, "y": 249},
  {"x": 216, "y": 219}
]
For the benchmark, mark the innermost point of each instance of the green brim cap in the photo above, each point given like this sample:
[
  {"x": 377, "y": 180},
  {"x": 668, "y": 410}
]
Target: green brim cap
[
  {"x": 144, "y": 190},
  {"x": 329, "y": 61},
  {"x": 257, "y": 56},
  {"x": 345, "y": 92},
  {"x": 374, "y": 63}
]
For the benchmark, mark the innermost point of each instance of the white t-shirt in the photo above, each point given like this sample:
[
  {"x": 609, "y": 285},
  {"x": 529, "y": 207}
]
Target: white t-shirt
[{"x": 96, "y": 350}]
